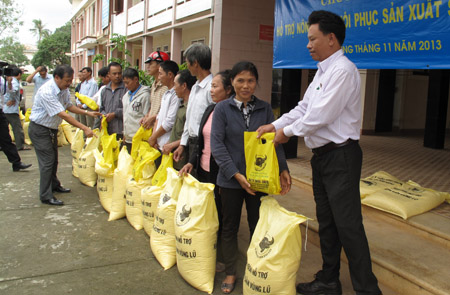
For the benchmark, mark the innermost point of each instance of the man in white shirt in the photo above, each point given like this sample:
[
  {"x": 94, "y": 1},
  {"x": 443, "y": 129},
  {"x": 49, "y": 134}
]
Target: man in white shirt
[
  {"x": 39, "y": 79},
  {"x": 169, "y": 106},
  {"x": 6, "y": 144},
  {"x": 88, "y": 87},
  {"x": 198, "y": 57},
  {"x": 329, "y": 118}
]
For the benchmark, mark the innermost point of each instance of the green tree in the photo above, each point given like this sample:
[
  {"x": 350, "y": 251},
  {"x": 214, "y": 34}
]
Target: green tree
[
  {"x": 39, "y": 30},
  {"x": 10, "y": 15},
  {"x": 52, "y": 49},
  {"x": 12, "y": 52},
  {"x": 118, "y": 42}
]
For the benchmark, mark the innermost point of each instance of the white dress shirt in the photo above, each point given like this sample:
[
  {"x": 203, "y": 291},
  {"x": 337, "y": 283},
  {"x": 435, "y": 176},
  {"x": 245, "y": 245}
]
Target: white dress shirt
[
  {"x": 88, "y": 88},
  {"x": 167, "y": 115},
  {"x": 199, "y": 100},
  {"x": 331, "y": 107},
  {"x": 48, "y": 102}
]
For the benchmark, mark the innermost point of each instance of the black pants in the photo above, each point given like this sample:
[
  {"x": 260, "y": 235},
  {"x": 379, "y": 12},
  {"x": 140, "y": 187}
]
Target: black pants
[
  {"x": 232, "y": 200},
  {"x": 8, "y": 147},
  {"x": 336, "y": 176},
  {"x": 45, "y": 141}
]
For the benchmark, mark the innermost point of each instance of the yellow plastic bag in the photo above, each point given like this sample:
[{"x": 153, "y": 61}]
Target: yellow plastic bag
[
  {"x": 196, "y": 226},
  {"x": 261, "y": 161},
  {"x": 405, "y": 200},
  {"x": 144, "y": 167},
  {"x": 377, "y": 181},
  {"x": 62, "y": 141},
  {"x": 149, "y": 199},
  {"x": 86, "y": 161},
  {"x": 75, "y": 149},
  {"x": 110, "y": 147},
  {"x": 87, "y": 101},
  {"x": 162, "y": 241},
  {"x": 25, "y": 132},
  {"x": 142, "y": 135},
  {"x": 273, "y": 257},
  {"x": 161, "y": 174},
  {"x": 133, "y": 206},
  {"x": 122, "y": 173},
  {"x": 27, "y": 115},
  {"x": 104, "y": 180}
]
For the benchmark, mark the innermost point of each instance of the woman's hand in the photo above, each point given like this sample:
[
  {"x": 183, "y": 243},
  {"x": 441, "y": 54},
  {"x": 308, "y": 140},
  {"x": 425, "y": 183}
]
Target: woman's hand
[
  {"x": 186, "y": 169},
  {"x": 244, "y": 183},
  {"x": 285, "y": 181}
]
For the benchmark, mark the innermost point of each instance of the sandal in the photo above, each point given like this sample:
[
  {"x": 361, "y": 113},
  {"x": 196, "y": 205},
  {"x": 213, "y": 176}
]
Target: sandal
[{"x": 228, "y": 286}]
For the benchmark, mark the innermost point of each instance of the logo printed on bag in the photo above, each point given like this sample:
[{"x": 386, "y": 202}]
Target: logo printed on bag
[
  {"x": 164, "y": 200},
  {"x": 260, "y": 162},
  {"x": 264, "y": 246},
  {"x": 183, "y": 216}
]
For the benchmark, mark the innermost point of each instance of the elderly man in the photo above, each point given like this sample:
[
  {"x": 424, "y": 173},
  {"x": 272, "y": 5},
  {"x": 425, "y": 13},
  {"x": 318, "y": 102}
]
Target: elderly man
[{"x": 49, "y": 109}]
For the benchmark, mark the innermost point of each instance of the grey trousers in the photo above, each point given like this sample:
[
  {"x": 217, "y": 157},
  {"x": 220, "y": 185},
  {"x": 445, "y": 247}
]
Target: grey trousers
[
  {"x": 16, "y": 125},
  {"x": 87, "y": 120},
  {"x": 45, "y": 141}
]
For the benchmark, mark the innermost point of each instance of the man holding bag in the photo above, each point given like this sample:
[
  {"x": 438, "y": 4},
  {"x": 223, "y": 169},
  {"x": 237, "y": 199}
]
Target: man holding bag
[{"x": 329, "y": 118}]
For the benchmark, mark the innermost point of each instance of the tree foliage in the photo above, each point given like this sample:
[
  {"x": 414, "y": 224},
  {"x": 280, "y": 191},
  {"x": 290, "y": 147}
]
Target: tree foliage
[
  {"x": 52, "y": 49},
  {"x": 39, "y": 30},
  {"x": 10, "y": 15},
  {"x": 12, "y": 52},
  {"x": 119, "y": 42}
]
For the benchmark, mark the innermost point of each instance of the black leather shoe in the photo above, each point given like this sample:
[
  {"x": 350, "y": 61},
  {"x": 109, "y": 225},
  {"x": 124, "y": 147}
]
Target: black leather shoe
[
  {"x": 20, "y": 166},
  {"x": 53, "y": 201},
  {"x": 61, "y": 189},
  {"x": 317, "y": 287}
]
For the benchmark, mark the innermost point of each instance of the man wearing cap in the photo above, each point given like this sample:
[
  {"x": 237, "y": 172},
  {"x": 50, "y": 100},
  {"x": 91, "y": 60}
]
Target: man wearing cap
[
  {"x": 157, "y": 90},
  {"x": 89, "y": 88}
]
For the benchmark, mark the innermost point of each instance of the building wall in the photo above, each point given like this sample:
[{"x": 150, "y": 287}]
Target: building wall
[{"x": 236, "y": 38}]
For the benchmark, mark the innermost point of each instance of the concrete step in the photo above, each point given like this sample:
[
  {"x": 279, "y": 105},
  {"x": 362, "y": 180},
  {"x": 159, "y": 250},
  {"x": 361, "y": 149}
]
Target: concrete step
[{"x": 409, "y": 257}]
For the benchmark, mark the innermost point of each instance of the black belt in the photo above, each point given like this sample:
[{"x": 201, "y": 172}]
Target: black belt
[
  {"x": 193, "y": 139},
  {"x": 331, "y": 146}
]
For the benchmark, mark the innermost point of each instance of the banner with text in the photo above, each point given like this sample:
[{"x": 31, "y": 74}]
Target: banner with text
[{"x": 397, "y": 34}]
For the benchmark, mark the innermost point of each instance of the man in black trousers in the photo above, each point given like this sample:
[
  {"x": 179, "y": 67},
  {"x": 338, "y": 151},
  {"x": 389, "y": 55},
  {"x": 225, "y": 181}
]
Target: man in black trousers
[
  {"x": 329, "y": 118},
  {"x": 6, "y": 144}
]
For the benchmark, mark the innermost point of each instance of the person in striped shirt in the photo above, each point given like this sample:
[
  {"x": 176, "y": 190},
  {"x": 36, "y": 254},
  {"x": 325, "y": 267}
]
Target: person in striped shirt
[{"x": 49, "y": 109}]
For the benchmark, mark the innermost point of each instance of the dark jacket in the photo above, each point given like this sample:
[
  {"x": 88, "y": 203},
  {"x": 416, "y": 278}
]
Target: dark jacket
[
  {"x": 227, "y": 139},
  {"x": 112, "y": 103},
  {"x": 197, "y": 153}
]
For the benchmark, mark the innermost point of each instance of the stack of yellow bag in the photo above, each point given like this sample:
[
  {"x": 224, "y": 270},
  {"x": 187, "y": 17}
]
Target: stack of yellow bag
[
  {"x": 105, "y": 164},
  {"x": 150, "y": 195},
  {"x": 122, "y": 174},
  {"x": 196, "y": 225},
  {"x": 69, "y": 131},
  {"x": 143, "y": 170},
  {"x": 273, "y": 257},
  {"x": 26, "y": 124},
  {"x": 76, "y": 148},
  {"x": 162, "y": 239},
  {"x": 86, "y": 161}
]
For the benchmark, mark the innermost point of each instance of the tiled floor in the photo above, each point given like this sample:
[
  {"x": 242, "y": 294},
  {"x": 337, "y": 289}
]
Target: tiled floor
[{"x": 403, "y": 156}]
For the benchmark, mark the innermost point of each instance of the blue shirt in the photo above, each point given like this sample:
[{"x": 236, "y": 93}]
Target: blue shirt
[
  {"x": 39, "y": 81},
  {"x": 14, "y": 95},
  {"x": 48, "y": 102},
  {"x": 88, "y": 88}
]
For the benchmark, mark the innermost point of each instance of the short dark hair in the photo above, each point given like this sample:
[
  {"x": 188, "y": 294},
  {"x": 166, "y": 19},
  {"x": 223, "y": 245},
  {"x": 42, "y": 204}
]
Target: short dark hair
[
  {"x": 184, "y": 76},
  {"x": 43, "y": 68},
  {"x": 114, "y": 64},
  {"x": 169, "y": 66},
  {"x": 244, "y": 66},
  {"x": 130, "y": 73},
  {"x": 16, "y": 72},
  {"x": 329, "y": 22},
  {"x": 88, "y": 69},
  {"x": 103, "y": 72},
  {"x": 199, "y": 52},
  {"x": 63, "y": 70},
  {"x": 226, "y": 80}
]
